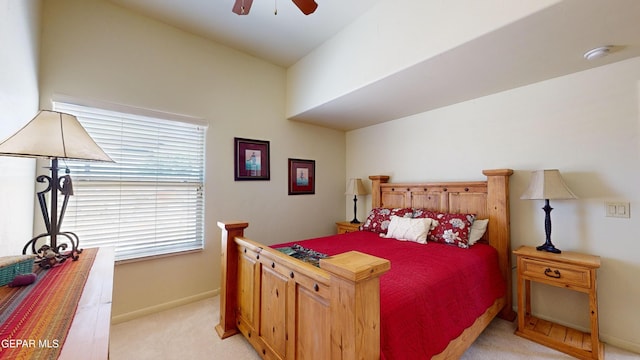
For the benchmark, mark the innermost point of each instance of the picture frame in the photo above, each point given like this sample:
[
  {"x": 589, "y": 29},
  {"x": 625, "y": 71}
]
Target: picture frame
[
  {"x": 252, "y": 160},
  {"x": 302, "y": 176}
]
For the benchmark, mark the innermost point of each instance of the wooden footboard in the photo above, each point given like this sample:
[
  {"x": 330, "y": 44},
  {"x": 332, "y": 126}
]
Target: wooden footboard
[{"x": 288, "y": 309}]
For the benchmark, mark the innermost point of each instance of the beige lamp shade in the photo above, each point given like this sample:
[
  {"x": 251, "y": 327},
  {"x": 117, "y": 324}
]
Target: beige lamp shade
[
  {"x": 547, "y": 184},
  {"x": 355, "y": 187},
  {"x": 53, "y": 135}
]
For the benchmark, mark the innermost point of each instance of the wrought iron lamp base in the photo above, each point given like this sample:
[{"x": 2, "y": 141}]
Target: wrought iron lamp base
[
  {"x": 52, "y": 253},
  {"x": 548, "y": 247},
  {"x": 355, "y": 210},
  {"x": 47, "y": 257}
]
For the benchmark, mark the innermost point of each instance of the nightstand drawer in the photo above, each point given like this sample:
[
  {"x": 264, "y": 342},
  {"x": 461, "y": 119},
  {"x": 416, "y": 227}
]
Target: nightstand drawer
[{"x": 556, "y": 274}]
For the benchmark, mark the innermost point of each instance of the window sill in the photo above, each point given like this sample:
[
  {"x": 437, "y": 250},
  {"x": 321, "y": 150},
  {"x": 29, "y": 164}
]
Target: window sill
[{"x": 155, "y": 257}]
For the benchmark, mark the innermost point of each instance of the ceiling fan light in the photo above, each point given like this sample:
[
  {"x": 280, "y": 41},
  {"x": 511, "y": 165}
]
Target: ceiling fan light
[{"x": 598, "y": 52}]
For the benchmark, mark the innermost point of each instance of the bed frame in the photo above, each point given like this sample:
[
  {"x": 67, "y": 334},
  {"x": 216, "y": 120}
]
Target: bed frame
[{"x": 288, "y": 309}]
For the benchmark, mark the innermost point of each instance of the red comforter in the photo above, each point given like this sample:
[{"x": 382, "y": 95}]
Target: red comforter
[{"x": 430, "y": 295}]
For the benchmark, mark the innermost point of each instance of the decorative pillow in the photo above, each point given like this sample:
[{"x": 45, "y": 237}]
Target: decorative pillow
[
  {"x": 408, "y": 229},
  {"x": 452, "y": 229},
  {"x": 424, "y": 213},
  {"x": 478, "y": 228},
  {"x": 379, "y": 218},
  {"x": 23, "y": 279}
]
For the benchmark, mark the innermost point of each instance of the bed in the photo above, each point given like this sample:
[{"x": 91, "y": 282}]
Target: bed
[{"x": 346, "y": 308}]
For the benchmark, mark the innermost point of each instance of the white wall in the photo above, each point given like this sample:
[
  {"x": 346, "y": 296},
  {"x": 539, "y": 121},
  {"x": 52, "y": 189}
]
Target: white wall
[
  {"x": 19, "y": 36},
  {"x": 96, "y": 50},
  {"x": 586, "y": 125},
  {"x": 392, "y": 36}
]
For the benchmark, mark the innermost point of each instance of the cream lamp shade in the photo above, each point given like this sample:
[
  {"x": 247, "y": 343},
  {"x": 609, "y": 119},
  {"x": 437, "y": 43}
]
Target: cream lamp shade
[
  {"x": 52, "y": 135},
  {"x": 356, "y": 187},
  {"x": 545, "y": 185}
]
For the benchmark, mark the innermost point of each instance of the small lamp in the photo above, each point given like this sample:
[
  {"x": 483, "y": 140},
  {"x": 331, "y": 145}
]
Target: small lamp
[
  {"x": 546, "y": 185},
  {"x": 53, "y": 135},
  {"x": 355, "y": 188}
]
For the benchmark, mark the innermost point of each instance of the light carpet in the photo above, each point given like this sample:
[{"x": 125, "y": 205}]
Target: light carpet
[{"x": 187, "y": 332}]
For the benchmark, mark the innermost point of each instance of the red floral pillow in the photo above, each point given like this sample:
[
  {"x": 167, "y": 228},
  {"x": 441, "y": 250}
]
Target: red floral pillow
[
  {"x": 424, "y": 213},
  {"x": 452, "y": 229},
  {"x": 379, "y": 218}
]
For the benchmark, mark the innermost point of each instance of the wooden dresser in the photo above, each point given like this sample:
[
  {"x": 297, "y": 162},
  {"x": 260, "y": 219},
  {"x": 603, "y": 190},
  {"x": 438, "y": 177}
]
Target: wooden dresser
[{"x": 569, "y": 270}]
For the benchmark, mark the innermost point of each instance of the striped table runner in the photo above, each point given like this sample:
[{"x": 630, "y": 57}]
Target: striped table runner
[{"x": 35, "y": 319}]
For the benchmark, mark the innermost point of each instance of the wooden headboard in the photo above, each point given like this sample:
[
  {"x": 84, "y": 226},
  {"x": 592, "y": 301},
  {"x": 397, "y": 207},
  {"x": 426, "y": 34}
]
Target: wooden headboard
[{"x": 487, "y": 199}]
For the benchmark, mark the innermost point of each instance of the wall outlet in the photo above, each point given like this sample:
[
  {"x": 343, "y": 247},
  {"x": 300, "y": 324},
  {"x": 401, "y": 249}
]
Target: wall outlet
[{"x": 617, "y": 209}]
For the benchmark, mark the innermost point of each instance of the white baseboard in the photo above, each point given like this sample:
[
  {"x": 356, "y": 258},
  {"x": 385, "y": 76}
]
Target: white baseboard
[
  {"x": 164, "y": 306},
  {"x": 620, "y": 343}
]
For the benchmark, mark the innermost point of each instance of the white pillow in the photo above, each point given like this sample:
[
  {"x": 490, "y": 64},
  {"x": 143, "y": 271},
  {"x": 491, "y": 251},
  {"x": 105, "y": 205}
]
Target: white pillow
[
  {"x": 408, "y": 229},
  {"x": 478, "y": 229}
]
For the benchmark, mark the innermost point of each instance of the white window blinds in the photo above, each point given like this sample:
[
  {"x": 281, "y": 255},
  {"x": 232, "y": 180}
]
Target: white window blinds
[{"x": 151, "y": 200}]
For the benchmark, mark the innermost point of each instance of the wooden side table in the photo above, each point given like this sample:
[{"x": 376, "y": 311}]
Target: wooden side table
[
  {"x": 570, "y": 270},
  {"x": 346, "y": 226}
]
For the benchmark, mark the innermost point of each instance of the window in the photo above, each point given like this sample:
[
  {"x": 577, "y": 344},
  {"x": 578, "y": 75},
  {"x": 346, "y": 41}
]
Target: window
[{"x": 150, "y": 201}]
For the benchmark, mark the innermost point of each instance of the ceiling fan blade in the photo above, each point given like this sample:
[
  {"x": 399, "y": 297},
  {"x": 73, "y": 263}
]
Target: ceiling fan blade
[
  {"x": 242, "y": 7},
  {"x": 306, "y": 6}
]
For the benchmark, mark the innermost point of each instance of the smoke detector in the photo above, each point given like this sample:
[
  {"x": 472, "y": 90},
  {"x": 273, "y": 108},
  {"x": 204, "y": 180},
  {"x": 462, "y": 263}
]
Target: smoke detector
[{"x": 598, "y": 52}]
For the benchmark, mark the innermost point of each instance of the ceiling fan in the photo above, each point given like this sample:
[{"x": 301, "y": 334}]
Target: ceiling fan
[{"x": 242, "y": 7}]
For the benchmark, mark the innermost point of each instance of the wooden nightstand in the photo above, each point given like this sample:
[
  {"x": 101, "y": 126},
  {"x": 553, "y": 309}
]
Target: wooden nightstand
[
  {"x": 570, "y": 270},
  {"x": 346, "y": 226}
]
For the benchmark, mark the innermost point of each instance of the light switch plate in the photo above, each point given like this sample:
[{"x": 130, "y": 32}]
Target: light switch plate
[{"x": 617, "y": 209}]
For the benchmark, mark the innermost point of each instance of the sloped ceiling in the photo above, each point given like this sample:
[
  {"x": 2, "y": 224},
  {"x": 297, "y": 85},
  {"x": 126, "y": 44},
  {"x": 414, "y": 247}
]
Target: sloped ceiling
[{"x": 281, "y": 39}]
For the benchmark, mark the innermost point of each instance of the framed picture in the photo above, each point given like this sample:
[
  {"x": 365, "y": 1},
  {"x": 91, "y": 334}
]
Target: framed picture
[
  {"x": 302, "y": 176},
  {"x": 251, "y": 159}
]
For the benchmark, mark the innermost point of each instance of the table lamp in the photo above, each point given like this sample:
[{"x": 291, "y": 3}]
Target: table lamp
[
  {"x": 355, "y": 188},
  {"x": 546, "y": 185},
  {"x": 53, "y": 135}
]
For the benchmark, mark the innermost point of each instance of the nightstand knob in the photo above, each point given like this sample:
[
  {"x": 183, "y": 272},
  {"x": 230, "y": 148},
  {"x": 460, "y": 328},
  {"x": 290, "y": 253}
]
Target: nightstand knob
[{"x": 553, "y": 274}]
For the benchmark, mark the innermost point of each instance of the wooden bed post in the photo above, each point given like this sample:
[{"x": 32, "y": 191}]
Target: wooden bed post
[
  {"x": 499, "y": 229},
  {"x": 355, "y": 304},
  {"x": 376, "y": 180},
  {"x": 229, "y": 282}
]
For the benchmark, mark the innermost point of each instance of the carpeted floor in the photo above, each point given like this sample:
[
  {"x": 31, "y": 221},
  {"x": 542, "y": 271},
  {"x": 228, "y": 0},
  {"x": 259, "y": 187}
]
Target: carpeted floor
[{"x": 187, "y": 332}]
